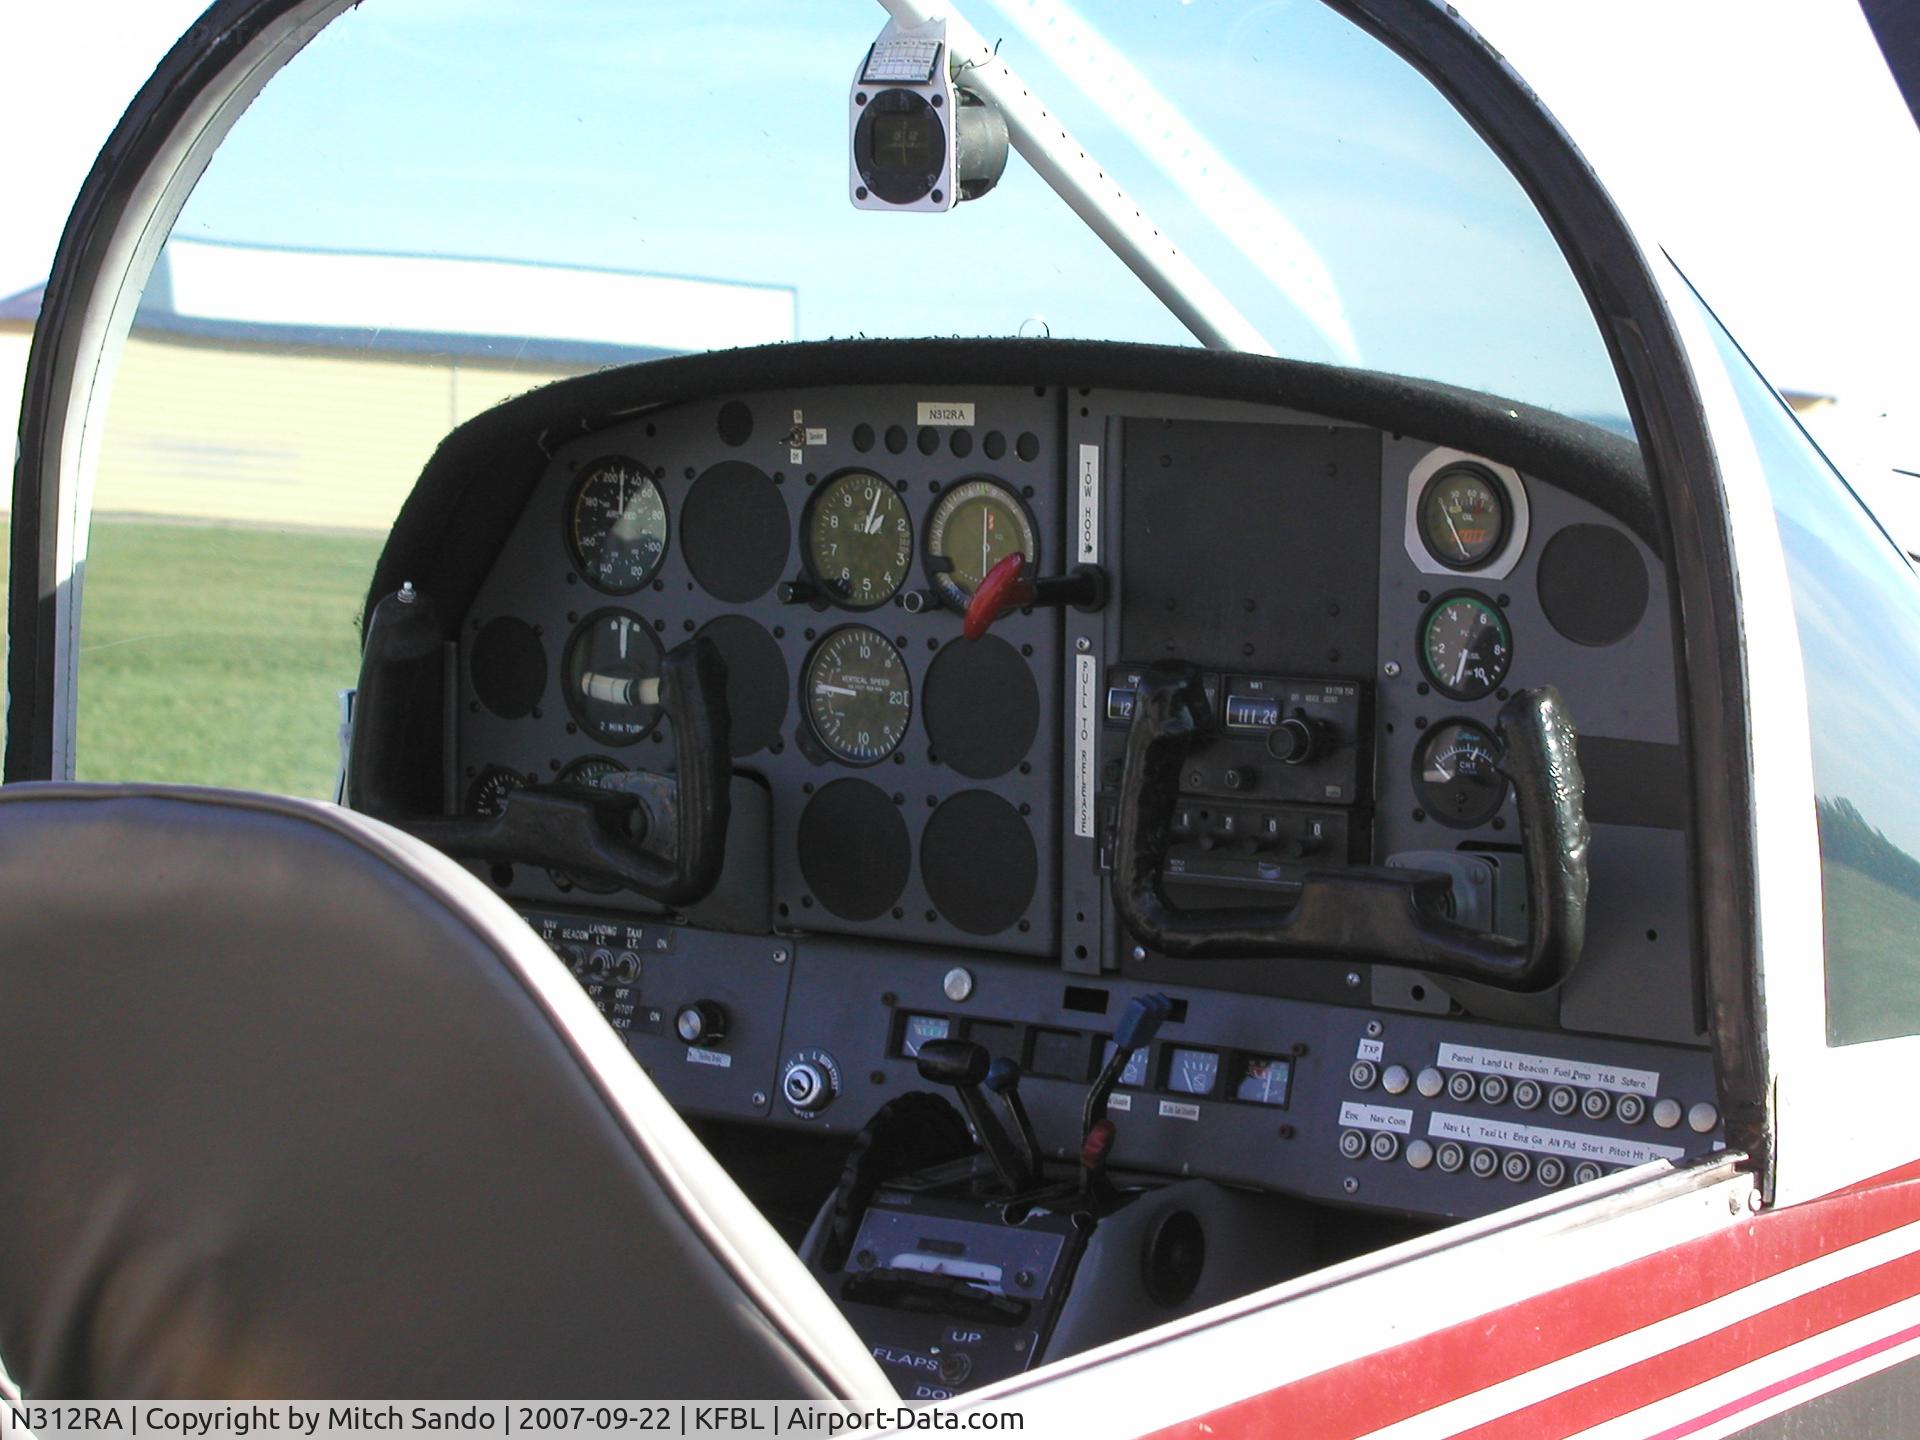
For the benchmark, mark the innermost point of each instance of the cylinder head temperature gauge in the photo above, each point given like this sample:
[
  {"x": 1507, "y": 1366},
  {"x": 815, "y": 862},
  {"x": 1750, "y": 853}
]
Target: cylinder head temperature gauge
[
  {"x": 1466, "y": 645},
  {"x": 1456, "y": 774},
  {"x": 975, "y": 525}
]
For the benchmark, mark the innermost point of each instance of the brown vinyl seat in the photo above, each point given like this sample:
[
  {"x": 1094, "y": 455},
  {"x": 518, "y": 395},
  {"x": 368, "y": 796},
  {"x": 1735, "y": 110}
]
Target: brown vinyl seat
[{"x": 292, "y": 1105}]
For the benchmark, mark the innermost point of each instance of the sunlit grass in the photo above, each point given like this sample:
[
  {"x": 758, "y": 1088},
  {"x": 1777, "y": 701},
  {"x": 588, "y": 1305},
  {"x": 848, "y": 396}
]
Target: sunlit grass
[{"x": 214, "y": 655}]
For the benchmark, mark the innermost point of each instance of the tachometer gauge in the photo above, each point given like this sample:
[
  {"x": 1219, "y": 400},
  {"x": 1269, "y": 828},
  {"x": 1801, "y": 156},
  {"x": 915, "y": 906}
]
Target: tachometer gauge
[
  {"x": 1456, "y": 774},
  {"x": 611, "y": 677},
  {"x": 858, "y": 540},
  {"x": 1463, "y": 517},
  {"x": 1466, "y": 645},
  {"x": 857, "y": 695},
  {"x": 976, "y": 525},
  {"x": 594, "y": 771},
  {"x": 617, "y": 525}
]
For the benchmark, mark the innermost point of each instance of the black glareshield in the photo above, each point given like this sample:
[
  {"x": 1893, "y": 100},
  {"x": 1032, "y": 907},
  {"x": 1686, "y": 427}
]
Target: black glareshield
[
  {"x": 1388, "y": 917},
  {"x": 673, "y": 857}
]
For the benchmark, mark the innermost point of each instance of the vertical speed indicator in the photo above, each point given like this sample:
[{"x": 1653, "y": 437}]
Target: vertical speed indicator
[{"x": 857, "y": 695}]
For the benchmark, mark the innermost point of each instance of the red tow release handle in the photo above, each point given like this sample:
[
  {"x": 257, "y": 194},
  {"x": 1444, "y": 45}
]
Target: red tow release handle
[{"x": 1007, "y": 587}]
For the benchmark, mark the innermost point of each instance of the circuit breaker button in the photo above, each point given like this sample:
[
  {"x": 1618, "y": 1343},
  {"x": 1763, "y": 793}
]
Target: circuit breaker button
[
  {"x": 1667, "y": 1113},
  {"x": 1363, "y": 1074},
  {"x": 1484, "y": 1163},
  {"x": 1352, "y": 1144},
  {"x": 1630, "y": 1109},
  {"x": 1562, "y": 1101},
  {"x": 1516, "y": 1167},
  {"x": 1702, "y": 1118},
  {"x": 1419, "y": 1154},
  {"x": 1394, "y": 1079},
  {"x": 1585, "y": 1173},
  {"x": 1596, "y": 1104},
  {"x": 1385, "y": 1145},
  {"x": 1527, "y": 1094},
  {"x": 1460, "y": 1087},
  {"x": 1493, "y": 1089},
  {"x": 1450, "y": 1157},
  {"x": 1429, "y": 1082},
  {"x": 1550, "y": 1171}
]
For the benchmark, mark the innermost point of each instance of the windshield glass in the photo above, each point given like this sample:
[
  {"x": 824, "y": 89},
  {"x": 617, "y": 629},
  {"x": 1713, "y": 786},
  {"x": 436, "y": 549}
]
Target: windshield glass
[{"x": 1335, "y": 199}]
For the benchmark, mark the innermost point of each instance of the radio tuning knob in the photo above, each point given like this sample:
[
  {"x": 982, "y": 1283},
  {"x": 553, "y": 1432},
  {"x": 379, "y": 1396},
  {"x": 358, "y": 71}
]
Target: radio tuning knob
[{"x": 1296, "y": 740}]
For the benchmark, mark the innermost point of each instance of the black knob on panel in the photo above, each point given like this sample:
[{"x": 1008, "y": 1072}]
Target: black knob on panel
[
  {"x": 1241, "y": 777},
  {"x": 797, "y": 592},
  {"x": 1295, "y": 740},
  {"x": 701, "y": 1023}
]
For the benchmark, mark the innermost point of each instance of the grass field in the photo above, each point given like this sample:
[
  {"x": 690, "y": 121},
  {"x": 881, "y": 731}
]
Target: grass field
[
  {"x": 1873, "y": 970},
  {"x": 213, "y": 655}
]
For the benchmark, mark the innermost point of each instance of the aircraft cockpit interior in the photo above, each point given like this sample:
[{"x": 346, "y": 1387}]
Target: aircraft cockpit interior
[{"x": 1130, "y": 747}]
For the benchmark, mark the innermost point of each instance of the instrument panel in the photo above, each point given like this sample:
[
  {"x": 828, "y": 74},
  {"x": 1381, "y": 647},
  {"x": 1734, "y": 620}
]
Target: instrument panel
[{"x": 1359, "y": 604}]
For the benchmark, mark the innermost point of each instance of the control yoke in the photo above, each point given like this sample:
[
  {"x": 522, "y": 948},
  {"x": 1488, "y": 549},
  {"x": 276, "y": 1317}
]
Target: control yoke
[
  {"x": 662, "y": 836},
  {"x": 1388, "y": 916}
]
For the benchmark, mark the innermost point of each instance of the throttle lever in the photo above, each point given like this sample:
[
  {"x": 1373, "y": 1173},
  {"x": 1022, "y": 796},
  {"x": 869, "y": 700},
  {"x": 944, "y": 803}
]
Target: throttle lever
[
  {"x": 964, "y": 1065},
  {"x": 1393, "y": 917}
]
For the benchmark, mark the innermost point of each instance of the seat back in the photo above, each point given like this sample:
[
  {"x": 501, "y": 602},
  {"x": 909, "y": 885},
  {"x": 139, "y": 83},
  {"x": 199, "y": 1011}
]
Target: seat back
[{"x": 292, "y": 1105}]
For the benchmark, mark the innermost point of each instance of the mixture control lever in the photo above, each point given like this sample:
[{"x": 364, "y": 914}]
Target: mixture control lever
[{"x": 964, "y": 1065}]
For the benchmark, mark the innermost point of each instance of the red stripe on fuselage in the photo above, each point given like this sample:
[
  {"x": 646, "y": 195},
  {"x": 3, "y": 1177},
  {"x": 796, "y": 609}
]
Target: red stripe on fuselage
[
  {"x": 1697, "y": 1361},
  {"x": 1389, "y": 1385}
]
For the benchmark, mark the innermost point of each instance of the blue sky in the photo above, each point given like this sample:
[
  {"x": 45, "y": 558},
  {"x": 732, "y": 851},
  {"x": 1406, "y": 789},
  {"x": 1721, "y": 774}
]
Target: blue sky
[
  {"x": 1765, "y": 136},
  {"x": 708, "y": 141}
]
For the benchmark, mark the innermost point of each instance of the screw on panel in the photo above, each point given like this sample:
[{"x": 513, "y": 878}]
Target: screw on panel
[
  {"x": 407, "y": 593},
  {"x": 1350, "y": 1185},
  {"x": 1391, "y": 668},
  {"x": 1083, "y": 644},
  {"x": 1139, "y": 952},
  {"x": 1374, "y": 1027},
  {"x": 758, "y": 1099},
  {"x": 779, "y": 957},
  {"x": 1353, "y": 979}
]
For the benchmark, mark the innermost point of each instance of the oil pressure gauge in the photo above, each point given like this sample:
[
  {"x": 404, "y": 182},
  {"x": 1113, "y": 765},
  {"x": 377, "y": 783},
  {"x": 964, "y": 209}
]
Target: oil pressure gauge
[
  {"x": 1463, "y": 517},
  {"x": 1456, "y": 774},
  {"x": 1466, "y": 645}
]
